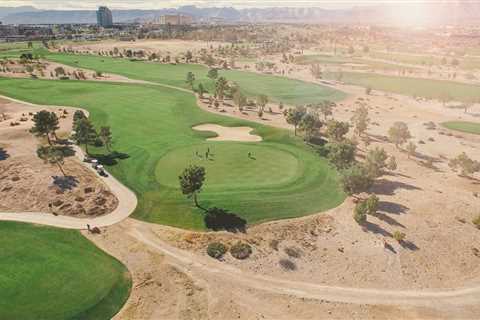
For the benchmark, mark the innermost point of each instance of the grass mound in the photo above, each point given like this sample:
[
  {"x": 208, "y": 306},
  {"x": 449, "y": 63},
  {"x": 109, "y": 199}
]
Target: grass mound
[{"x": 57, "y": 274}]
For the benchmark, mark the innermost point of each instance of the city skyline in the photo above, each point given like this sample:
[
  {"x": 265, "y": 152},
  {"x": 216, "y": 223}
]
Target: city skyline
[{"x": 152, "y": 4}]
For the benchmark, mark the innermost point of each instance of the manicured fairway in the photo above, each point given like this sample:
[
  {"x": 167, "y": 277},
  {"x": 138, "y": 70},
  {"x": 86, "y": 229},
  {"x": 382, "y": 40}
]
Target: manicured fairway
[
  {"x": 48, "y": 273},
  {"x": 152, "y": 124},
  {"x": 463, "y": 126},
  {"x": 276, "y": 88},
  {"x": 427, "y": 88}
]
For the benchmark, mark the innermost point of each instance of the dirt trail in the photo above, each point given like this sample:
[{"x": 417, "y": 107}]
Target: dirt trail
[{"x": 468, "y": 296}]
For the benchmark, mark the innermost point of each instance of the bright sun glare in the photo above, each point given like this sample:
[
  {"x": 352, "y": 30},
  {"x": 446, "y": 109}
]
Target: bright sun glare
[{"x": 410, "y": 14}]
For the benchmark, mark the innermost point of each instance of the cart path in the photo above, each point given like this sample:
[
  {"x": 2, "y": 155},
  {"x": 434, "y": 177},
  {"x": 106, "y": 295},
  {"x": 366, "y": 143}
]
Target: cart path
[{"x": 127, "y": 200}]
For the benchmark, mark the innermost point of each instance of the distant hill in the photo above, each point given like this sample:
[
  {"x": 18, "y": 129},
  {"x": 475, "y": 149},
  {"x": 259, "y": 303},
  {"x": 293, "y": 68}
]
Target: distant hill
[
  {"x": 451, "y": 12},
  {"x": 5, "y": 11}
]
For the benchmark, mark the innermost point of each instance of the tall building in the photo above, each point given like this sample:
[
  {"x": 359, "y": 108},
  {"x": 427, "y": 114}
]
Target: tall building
[{"x": 104, "y": 17}]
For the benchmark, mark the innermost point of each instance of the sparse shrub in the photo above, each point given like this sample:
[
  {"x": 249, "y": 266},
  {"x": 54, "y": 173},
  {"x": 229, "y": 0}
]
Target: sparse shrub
[
  {"x": 360, "y": 213},
  {"x": 372, "y": 205},
  {"x": 293, "y": 252},
  {"x": 274, "y": 244},
  {"x": 392, "y": 164},
  {"x": 476, "y": 221},
  {"x": 287, "y": 265},
  {"x": 216, "y": 250},
  {"x": 399, "y": 236},
  {"x": 241, "y": 250}
]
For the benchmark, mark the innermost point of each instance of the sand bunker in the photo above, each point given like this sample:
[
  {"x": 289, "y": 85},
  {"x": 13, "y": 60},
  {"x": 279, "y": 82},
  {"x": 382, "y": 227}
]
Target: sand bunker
[{"x": 229, "y": 133}]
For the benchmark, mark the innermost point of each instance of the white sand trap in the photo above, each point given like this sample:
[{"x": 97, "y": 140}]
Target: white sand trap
[{"x": 229, "y": 133}]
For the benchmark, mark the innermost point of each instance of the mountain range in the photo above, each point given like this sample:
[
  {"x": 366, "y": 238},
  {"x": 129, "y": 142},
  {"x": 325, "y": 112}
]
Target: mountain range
[{"x": 440, "y": 13}]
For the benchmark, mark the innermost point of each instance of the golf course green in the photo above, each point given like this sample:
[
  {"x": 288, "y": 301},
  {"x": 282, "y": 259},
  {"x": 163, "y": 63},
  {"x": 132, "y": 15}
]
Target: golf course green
[
  {"x": 153, "y": 126},
  {"x": 463, "y": 126},
  {"x": 49, "y": 273},
  {"x": 278, "y": 89},
  {"x": 426, "y": 88}
]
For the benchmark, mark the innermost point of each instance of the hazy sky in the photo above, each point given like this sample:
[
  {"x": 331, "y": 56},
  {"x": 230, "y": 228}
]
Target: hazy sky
[{"x": 155, "y": 4}]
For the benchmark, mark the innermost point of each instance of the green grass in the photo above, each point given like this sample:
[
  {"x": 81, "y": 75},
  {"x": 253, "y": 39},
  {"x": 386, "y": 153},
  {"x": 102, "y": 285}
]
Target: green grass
[
  {"x": 463, "y": 126},
  {"x": 153, "y": 124},
  {"x": 49, "y": 273},
  {"x": 427, "y": 88},
  {"x": 278, "y": 89}
]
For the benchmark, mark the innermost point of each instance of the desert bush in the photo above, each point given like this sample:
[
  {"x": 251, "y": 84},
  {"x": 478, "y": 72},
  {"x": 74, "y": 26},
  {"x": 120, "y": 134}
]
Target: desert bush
[
  {"x": 287, "y": 265},
  {"x": 241, "y": 250},
  {"x": 293, "y": 252},
  {"x": 360, "y": 213},
  {"x": 274, "y": 244},
  {"x": 399, "y": 236},
  {"x": 216, "y": 250},
  {"x": 476, "y": 221},
  {"x": 372, "y": 205}
]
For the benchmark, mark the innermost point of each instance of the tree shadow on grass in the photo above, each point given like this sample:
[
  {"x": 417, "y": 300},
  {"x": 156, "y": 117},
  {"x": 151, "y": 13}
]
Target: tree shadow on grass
[
  {"x": 218, "y": 219},
  {"x": 65, "y": 183},
  {"x": 387, "y": 187},
  {"x": 4, "y": 154},
  {"x": 110, "y": 159}
]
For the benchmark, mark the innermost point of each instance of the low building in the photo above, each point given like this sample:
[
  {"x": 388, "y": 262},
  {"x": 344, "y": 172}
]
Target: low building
[{"x": 175, "y": 19}]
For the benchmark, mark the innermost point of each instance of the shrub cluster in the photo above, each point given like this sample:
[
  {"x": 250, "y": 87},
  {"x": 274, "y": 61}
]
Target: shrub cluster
[
  {"x": 216, "y": 250},
  {"x": 241, "y": 250}
]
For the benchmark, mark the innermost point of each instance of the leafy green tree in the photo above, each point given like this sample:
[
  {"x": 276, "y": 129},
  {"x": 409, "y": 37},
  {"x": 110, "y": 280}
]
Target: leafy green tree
[
  {"x": 399, "y": 133},
  {"x": 201, "y": 90},
  {"x": 52, "y": 155},
  {"x": 466, "y": 165},
  {"x": 326, "y": 108},
  {"x": 188, "y": 56},
  {"x": 191, "y": 182},
  {"x": 355, "y": 179},
  {"x": 45, "y": 123},
  {"x": 220, "y": 87},
  {"x": 360, "y": 120},
  {"x": 239, "y": 99},
  {"x": 336, "y": 130},
  {"x": 212, "y": 74},
  {"x": 84, "y": 133},
  {"x": 105, "y": 135},
  {"x": 376, "y": 162},
  {"x": 310, "y": 124},
  {"x": 294, "y": 116},
  {"x": 262, "y": 101},
  {"x": 341, "y": 154},
  {"x": 190, "y": 79}
]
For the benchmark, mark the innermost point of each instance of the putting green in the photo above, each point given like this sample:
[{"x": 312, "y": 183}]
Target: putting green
[
  {"x": 229, "y": 166},
  {"x": 463, "y": 126},
  {"x": 49, "y": 273}
]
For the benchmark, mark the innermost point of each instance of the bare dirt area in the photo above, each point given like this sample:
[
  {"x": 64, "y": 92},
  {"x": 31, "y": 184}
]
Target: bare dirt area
[
  {"x": 30, "y": 185},
  {"x": 167, "y": 285},
  {"x": 162, "y": 47},
  {"x": 13, "y": 68}
]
